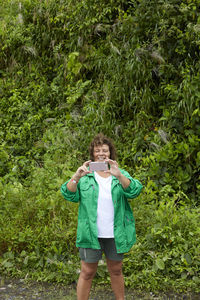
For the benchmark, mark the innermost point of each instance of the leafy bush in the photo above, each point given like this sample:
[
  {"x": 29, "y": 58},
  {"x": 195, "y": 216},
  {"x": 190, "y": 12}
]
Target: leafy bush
[{"x": 167, "y": 250}]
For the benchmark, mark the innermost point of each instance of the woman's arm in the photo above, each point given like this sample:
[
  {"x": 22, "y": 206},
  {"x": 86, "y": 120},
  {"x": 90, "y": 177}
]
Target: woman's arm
[
  {"x": 125, "y": 182},
  {"x": 81, "y": 171}
]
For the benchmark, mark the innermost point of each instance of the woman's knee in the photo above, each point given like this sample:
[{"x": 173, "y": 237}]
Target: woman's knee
[
  {"x": 114, "y": 268},
  {"x": 116, "y": 272},
  {"x": 88, "y": 271}
]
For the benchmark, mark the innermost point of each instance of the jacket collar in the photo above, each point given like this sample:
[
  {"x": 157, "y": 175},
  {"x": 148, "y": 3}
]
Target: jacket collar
[{"x": 114, "y": 179}]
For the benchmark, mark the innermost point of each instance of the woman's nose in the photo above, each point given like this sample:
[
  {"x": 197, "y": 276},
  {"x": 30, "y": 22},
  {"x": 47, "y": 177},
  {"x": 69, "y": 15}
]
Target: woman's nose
[{"x": 101, "y": 152}]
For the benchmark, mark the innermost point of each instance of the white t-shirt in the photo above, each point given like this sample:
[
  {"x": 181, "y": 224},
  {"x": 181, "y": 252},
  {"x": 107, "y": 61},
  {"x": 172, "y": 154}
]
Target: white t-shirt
[{"x": 105, "y": 208}]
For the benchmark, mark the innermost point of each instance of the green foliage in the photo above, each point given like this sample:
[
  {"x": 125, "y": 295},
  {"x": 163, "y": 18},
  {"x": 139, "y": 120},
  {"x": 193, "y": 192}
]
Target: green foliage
[
  {"x": 165, "y": 253},
  {"x": 71, "y": 69},
  {"x": 39, "y": 242}
]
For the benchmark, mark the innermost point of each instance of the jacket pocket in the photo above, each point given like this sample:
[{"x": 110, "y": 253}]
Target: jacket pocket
[
  {"x": 85, "y": 187},
  {"x": 129, "y": 225},
  {"x": 86, "y": 190},
  {"x": 83, "y": 232}
]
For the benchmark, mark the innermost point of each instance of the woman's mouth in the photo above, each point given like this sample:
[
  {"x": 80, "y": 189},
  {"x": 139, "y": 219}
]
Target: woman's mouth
[{"x": 101, "y": 158}]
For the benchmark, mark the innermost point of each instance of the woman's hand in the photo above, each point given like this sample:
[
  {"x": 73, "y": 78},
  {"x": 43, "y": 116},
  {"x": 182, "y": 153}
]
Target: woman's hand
[
  {"x": 115, "y": 171},
  {"x": 82, "y": 171}
]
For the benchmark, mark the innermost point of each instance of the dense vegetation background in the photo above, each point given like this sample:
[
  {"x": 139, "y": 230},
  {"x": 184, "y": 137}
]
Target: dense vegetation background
[{"x": 69, "y": 70}]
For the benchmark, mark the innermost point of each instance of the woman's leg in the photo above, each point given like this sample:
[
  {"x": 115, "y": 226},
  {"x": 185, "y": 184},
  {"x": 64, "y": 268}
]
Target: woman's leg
[
  {"x": 88, "y": 270},
  {"x": 117, "y": 279}
]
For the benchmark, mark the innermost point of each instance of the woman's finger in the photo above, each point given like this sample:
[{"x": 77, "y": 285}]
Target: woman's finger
[
  {"x": 86, "y": 163},
  {"x": 110, "y": 161}
]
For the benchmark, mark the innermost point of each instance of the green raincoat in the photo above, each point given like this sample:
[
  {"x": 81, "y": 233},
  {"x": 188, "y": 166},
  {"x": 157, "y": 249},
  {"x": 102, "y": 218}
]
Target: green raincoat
[{"x": 87, "y": 196}]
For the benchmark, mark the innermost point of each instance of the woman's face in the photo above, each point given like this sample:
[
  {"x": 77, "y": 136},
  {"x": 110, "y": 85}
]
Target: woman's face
[{"x": 101, "y": 152}]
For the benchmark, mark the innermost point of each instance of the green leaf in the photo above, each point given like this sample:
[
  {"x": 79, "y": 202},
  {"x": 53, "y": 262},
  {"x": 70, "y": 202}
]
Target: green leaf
[
  {"x": 7, "y": 264},
  {"x": 26, "y": 260},
  {"x": 160, "y": 264},
  {"x": 188, "y": 258}
]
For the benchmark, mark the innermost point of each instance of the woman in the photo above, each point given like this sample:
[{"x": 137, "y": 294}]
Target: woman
[{"x": 105, "y": 219}]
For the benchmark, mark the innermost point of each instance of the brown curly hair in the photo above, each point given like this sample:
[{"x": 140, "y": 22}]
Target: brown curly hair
[{"x": 99, "y": 140}]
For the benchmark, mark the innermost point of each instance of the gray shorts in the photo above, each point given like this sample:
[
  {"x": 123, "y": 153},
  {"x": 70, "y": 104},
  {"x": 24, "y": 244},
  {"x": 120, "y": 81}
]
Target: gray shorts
[{"x": 94, "y": 255}]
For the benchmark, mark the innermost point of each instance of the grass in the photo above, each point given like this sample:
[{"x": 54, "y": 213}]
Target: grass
[{"x": 19, "y": 289}]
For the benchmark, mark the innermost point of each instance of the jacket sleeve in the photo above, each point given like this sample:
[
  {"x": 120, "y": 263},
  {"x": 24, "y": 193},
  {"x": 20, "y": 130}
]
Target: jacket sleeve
[
  {"x": 68, "y": 195},
  {"x": 135, "y": 187}
]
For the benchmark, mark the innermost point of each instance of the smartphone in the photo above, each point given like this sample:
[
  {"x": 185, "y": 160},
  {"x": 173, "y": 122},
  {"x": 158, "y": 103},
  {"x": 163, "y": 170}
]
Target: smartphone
[{"x": 98, "y": 166}]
